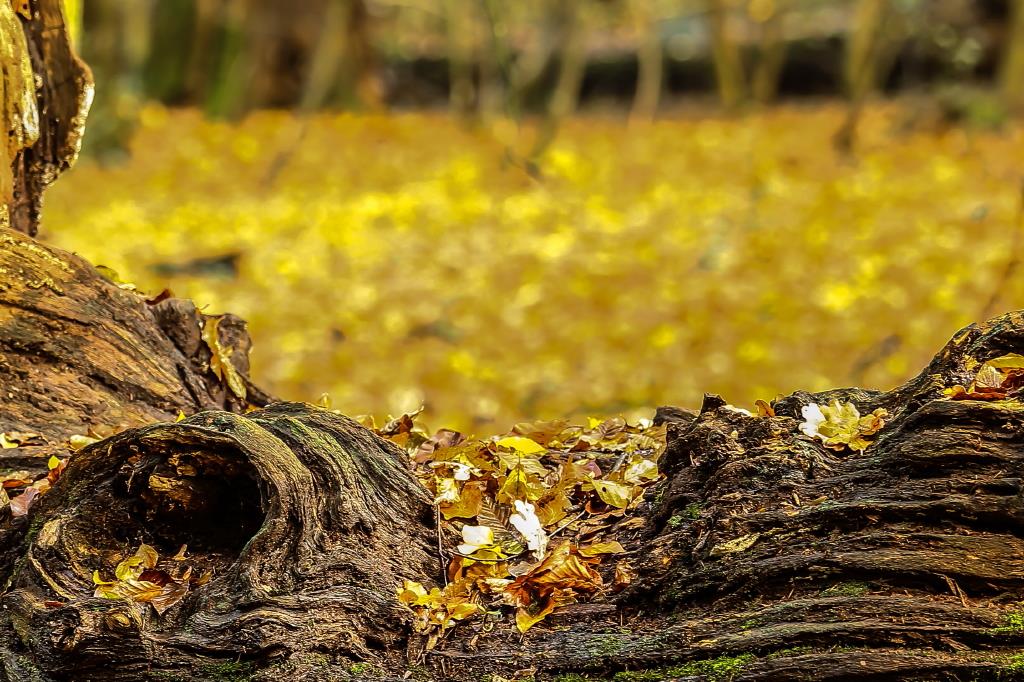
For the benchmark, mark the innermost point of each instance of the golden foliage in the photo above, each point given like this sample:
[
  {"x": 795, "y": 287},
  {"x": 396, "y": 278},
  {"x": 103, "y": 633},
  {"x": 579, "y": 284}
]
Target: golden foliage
[
  {"x": 512, "y": 495},
  {"x": 839, "y": 425},
  {"x": 399, "y": 260}
]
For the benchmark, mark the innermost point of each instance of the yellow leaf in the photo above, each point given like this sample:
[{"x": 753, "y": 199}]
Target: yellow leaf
[
  {"x": 132, "y": 567},
  {"x": 462, "y": 611},
  {"x": 598, "y": 548},
  {"x": 468, "y": 503},
  {"x": 553, "y": 507},
  {"x": 640, "y": 470},
  {"x": 53, "y": 462},
  {"x": 737, "y": 545},
  {"x": 97, "y": 580},
  {"x": 521, "y": 445},
  {"x": 6, "y": 444},
  {"x": 1008, "y": 361},
  {"x": 616, "y": 494},
  {"x": 527, "y": 617},
  {"x": 220, "y": 358},
  {"x": 136, "y": 590},
  {"x": 447, "y": 490},
  {"x": 413, "y": 593},
  {"x": 519, "y": 486},
  {"x": 532, "y": 465},
  {"x": 77, "y": 442}
]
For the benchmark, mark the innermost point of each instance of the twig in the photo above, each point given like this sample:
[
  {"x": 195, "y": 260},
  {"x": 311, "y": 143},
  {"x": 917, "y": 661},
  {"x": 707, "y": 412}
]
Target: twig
[
  {"x": 567, "y": 524},
  {"x": 618, "y": 462},
  {"x": 440, "y": 550}
]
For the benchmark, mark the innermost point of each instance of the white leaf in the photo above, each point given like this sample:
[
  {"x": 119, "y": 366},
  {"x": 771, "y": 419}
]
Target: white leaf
[
  {"x": 529, "y": 526},
  {"x": 813, "y": 418},
  {"x": 475, "y": 537}
]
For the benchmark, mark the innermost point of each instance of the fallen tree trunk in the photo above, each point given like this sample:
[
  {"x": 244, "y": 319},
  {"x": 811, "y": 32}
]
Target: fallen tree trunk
[{"x": 762, "y": 555}]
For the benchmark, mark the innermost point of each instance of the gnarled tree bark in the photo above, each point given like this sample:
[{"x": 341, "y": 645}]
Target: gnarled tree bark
[{"x": 904, "y": 561}]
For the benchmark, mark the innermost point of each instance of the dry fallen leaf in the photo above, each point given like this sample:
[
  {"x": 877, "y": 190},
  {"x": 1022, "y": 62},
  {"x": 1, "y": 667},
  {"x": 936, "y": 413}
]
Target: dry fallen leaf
[
  {"x": 840, "y": 425},
  {"x": 23, "y": 502},
  {"x": 220, "y": 358}
]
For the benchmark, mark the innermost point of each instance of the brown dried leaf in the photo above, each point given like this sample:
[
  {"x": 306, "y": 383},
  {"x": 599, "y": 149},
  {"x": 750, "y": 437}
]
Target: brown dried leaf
[
  {"x": 21, "y": 504},
  {"x": 220, "y": 358}
]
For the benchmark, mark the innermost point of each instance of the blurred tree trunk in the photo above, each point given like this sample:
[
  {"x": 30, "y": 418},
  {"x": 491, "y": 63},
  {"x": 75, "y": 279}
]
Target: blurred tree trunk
[
  {"x": 725, "y": 51},
  {"x": 869, "y": 49},
  {"x": 462, "y": 89},
  {"x": 173, "y": 29},
  {"x": 327, "y": 62},
  {"x": 201, "y": 57},
  {"x": 116, "y": 51},
  {"x": 572, "y": 63},
  {"x": 361, "y": 60},
  {"x": 225, "y": 94},
  {"x": 650, "y": 61},
  {"x": 45, "y": 94},
  {"x": 1012, "y": 70},
  {"x": 771, "y": 54}
]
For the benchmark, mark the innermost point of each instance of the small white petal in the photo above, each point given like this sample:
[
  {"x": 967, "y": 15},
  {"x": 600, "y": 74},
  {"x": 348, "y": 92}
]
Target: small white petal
[
  {"x": 813, "y": 417},
  {"x": 461, "y": 471},
  {"x": 526, "y": 522}
]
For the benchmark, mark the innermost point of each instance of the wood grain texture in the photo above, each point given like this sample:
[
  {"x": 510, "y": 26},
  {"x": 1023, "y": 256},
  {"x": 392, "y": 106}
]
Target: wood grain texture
[{"x": 78, "y": 352}]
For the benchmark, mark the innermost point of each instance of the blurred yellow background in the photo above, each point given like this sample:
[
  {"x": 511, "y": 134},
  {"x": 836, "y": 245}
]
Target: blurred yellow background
[{"x": 394, "y": 259}]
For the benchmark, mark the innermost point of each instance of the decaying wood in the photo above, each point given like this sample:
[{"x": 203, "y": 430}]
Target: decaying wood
[
  {"x": 80, "y": 354},
  {"x": 905, "y": 561},
  {"x": 306, "y": 520}
]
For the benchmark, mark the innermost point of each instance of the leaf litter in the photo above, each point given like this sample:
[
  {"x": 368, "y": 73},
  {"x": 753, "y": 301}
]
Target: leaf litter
[{"x": 533, "y": 506}]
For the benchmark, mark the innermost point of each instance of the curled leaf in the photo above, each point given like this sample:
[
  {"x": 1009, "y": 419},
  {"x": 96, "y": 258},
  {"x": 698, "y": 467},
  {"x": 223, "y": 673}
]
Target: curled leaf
[{"x": 220, "y": 358}]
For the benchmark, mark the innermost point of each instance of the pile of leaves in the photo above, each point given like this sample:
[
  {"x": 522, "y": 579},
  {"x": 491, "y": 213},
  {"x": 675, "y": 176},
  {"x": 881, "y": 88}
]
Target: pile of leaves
[
  {"x": 534, "y": 507},
  {"x": 840, "y": 425},
  {"x": 996, "y": 379},
  {"x": 145, "y": 579},
  {"x": 20, "y": 489}
]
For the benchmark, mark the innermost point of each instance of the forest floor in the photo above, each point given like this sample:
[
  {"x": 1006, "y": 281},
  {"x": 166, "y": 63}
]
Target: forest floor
[{"x": 394, "y": 260}]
